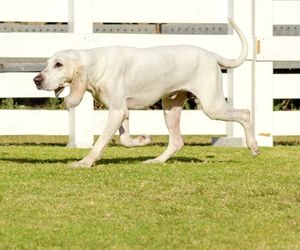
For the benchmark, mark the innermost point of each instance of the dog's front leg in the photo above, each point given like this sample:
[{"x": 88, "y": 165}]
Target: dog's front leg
[
  {"x": 129, "y": 141},
  {"x": 115, "y": 119}
]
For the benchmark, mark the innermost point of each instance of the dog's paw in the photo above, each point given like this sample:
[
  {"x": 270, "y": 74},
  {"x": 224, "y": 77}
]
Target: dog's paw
[
  {"x": 143, "y": 140},
  {"x": 153, "y": 161},
  {"x": 81, "y": 164},
  {"x": 255, "y": 151}
]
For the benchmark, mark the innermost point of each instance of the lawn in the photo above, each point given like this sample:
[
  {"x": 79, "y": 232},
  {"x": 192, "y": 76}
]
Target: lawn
[{"x": 203, "y": 198}]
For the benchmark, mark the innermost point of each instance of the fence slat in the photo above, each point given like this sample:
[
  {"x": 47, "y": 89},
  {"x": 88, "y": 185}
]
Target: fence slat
[
  {"x": 157, "y": 11},
  {"x": 21, "y": 85},
  {"x": 56, "y": 122},
  {"x": 192, "y": 123},
  {"x": 271, "y": 48},
  {"x": 286, "y": 12},
  {"x": 286, "y": 86},
  {"x": 34, "y": 11},
  {"x": 37, "y": 122},
  {"x": 24, "y": 45},
  {"x": 34, "y": 122},
  {"x": 286, "y": 123}
]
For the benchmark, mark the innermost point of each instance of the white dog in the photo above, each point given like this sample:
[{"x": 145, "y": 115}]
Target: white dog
[{"x": 133, "y": 78}]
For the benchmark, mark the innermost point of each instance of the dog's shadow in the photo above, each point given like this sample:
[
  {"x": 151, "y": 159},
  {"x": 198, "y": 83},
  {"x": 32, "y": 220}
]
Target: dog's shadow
[
  {"x": 37, "y": 161},
  {"x": 173, "y": 160},
  {"x": 116, "y": 161},
  {"x": 141, "y": 159}
]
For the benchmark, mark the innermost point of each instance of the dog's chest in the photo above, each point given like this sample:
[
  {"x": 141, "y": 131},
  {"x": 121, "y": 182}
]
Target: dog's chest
[{"x": 99, "y": 94}]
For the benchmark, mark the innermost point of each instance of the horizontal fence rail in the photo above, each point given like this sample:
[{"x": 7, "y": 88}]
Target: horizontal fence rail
[
  {"x": 193, "y": 122},
  {"x": 55, "y": 122}
]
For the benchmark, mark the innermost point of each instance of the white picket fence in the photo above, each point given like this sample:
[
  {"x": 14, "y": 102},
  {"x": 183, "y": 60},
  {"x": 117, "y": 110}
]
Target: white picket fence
[{"x": 252, "y": 86}]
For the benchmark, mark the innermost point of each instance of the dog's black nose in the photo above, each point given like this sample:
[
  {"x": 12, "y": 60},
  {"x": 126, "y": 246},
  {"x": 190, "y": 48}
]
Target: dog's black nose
[{"x": 38, "y": 80}]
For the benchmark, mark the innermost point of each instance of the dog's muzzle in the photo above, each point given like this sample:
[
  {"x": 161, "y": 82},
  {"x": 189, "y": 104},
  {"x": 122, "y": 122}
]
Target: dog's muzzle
[{"x": 38, "y": 80}]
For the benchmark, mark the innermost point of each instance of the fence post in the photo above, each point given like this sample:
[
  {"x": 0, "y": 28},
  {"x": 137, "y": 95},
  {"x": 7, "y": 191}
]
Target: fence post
[
  {"x": 81, "y": 131},
  {"x": 263, "y": 74},
  {"x": 239, "y": 79}
]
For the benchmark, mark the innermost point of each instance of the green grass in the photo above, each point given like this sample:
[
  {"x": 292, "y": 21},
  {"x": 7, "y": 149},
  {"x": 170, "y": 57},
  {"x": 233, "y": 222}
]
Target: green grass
[{"x": 203, "y": 198}]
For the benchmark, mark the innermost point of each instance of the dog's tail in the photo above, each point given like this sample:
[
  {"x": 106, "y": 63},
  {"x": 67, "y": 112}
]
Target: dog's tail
[{"x": 233, "y": 63}]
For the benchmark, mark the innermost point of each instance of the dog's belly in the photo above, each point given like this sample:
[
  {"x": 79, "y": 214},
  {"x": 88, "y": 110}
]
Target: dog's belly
[
  {"x": 136, "y": 103},
  {"x": 148, "y": 100}
]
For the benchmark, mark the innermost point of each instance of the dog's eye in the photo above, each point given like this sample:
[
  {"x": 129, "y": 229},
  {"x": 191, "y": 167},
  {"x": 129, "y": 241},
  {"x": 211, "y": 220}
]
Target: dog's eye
[{"x": 58, "y": 65}]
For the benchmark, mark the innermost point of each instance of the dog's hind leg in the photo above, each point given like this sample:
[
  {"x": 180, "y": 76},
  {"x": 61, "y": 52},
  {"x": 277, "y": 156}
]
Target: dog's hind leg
[
  {"x": 241, "y": 116},
  {"x": 172, "y": 110},
  {"x": 129, "y": 141},
  {"x": 215, "y": 107}
]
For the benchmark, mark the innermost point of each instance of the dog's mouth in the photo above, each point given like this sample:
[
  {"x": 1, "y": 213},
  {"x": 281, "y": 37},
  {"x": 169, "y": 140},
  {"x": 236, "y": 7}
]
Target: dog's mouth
[{"x": 58, "y": 91}]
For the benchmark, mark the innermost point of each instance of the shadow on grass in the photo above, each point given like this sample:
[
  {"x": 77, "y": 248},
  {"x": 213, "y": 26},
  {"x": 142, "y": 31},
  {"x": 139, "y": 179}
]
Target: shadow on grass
[
  {"x": 37, "y": 161},
  {"x": 117, "y": 160}
]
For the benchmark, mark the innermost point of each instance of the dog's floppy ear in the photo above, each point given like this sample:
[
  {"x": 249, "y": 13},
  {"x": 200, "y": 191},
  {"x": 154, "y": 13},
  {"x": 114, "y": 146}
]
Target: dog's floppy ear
[{"x": 77, "y": 88}]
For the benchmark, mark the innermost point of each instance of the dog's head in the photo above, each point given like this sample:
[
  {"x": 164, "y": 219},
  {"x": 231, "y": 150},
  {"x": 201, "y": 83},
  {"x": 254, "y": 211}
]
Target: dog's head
[{"x": 64, "y": 69}]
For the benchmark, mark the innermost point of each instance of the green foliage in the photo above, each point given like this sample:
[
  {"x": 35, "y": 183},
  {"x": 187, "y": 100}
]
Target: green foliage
[
  {"x": 7, "y": 103},
  {"x": 286, "y": 104},
  {"x": 57, "y": 103},
  {"x": 203, "y": 198},
  {"x": 54, "y": 103},
  {"x": 31, "y": 103}
]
